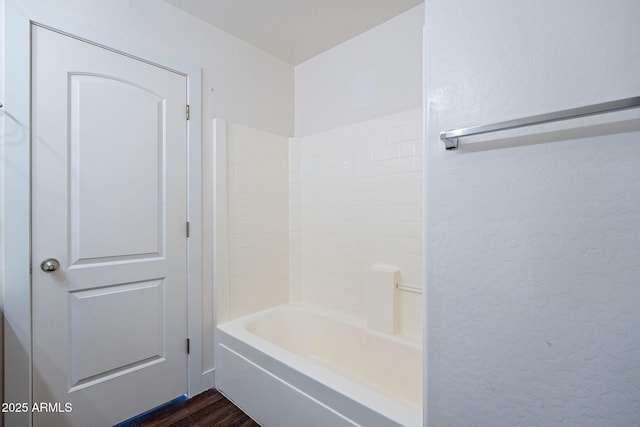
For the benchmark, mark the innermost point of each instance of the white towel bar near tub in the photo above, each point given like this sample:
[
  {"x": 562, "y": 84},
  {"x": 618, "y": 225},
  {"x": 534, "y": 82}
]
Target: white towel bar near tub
[{"x": 295, "y": 365}]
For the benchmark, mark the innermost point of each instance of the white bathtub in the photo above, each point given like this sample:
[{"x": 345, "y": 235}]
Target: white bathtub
[{"x": 295, "y": 366}]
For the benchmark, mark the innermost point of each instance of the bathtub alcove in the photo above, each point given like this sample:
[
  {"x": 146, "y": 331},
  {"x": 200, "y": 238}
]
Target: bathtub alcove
[{"x": 318, "y": 269}]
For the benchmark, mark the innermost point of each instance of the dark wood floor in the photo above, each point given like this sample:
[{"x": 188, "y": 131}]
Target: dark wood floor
[{"x": 207, "y": 409}]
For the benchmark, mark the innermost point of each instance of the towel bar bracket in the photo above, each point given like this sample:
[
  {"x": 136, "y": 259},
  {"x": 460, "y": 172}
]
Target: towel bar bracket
[{"x": 449, "y": 143}]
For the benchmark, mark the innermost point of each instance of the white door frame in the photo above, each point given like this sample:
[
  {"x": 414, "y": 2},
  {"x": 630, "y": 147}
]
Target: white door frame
[{"x": 16, "y": 206}]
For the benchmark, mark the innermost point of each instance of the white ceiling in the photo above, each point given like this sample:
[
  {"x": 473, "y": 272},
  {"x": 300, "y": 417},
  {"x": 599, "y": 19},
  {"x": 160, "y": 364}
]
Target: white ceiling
[{"x": 295, "y": 30}]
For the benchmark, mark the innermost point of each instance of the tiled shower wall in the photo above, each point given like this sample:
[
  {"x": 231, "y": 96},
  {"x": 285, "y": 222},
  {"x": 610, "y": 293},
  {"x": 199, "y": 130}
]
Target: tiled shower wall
[
  {"x": 356, "y": 200},
  {"x": 258, "y": 194}
]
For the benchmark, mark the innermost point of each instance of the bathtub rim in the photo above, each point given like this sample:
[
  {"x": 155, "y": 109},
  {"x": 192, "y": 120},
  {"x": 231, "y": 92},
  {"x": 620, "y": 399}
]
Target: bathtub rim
[{"x": 333, "y": 315}]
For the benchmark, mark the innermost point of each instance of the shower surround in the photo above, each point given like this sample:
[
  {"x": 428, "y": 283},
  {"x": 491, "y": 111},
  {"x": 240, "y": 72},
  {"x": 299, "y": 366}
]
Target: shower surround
[
  {"x": 258, "y": 220},
  {"x": 355, "y": 201},
  {"x": 307, "y": 219}
]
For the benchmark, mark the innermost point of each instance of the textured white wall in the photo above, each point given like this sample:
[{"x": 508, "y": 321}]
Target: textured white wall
[
  {"x": 533, "y": 235},
  {"x": 258, "y": 193},
  {"x": 356, "y": 200},
  {"x": 374, "y": 74}
]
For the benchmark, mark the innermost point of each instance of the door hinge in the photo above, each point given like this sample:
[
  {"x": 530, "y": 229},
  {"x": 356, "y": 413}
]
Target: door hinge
[
  {"x": 188, "y": 229},
  {"x": 188, "y": 346},
  {"x": 187, "y": 111}
]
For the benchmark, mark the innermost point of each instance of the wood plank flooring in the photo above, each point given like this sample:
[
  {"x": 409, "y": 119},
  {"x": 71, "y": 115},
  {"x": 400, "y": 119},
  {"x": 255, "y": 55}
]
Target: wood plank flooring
[{"x": 208, "y": 409}]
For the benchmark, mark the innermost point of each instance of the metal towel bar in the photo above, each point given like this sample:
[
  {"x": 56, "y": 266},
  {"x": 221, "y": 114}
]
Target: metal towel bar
[{"x": 450, "y": 137}]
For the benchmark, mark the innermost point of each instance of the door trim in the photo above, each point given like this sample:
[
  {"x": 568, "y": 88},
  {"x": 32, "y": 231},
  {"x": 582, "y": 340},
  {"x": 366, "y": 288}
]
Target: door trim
[{"x": 16, "y": 206}]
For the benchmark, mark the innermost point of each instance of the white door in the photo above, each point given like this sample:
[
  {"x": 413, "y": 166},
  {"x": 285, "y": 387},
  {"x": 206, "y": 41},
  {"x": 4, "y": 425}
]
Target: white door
[{"x": 109, "y": 156}]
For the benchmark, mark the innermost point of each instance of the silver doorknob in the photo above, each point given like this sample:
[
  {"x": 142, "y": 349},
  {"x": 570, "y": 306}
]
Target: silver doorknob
[{"x": 49, "y": 265}]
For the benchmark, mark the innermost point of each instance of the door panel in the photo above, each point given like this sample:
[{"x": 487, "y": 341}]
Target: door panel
[
  {"x": 105, "y": 341},
  {"x": 109, "y": 155},
  {"x": 97, "y": 150}
]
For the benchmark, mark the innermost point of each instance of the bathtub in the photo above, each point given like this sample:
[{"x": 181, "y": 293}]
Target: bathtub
[{"x": 295, "y": 365}]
